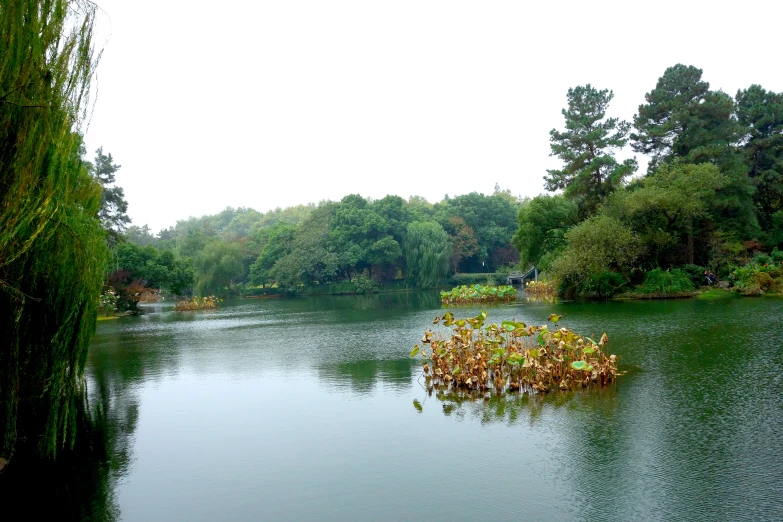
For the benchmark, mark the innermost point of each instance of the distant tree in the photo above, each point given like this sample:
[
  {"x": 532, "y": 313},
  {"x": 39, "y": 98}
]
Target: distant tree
[
  {"x": 279, "y": 243},
  {"x": 666, "y": 207},
  {"x": 590, "y": 171},
  {"x": 426, "y": 253},
  {"x": 310, "y": 261},
  {"x": 463, "y": 241},
  {"x": 114, "y": 207},
  {"x": 217, "y": 268},
  {"x": 140, "y": 235},
  {"x": 760, "y": 113},
  {"x": 492, "y": 218},
  {"x": 543, "y": 223},
  {"x": 683, "y": 120}
]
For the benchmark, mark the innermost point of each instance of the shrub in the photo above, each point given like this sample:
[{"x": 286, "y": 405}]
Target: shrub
[
  {"x": 695, "y": 273},
  {"x": 602, "y": 285},
  {"x": 666, "y": 283}
]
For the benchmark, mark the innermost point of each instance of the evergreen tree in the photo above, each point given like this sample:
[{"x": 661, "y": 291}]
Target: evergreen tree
[
  {"x": 684, "y": 121},
  {"x": 114, "y": 207},
  {"x": 587, "y": 146},
  {"x": 760, "y": 113}
]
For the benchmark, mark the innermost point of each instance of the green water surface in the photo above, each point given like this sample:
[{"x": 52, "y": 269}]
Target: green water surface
[{"x": 306, "y": 409}]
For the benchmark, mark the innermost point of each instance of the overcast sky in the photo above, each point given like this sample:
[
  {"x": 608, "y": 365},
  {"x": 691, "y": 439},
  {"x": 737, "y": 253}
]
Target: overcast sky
[{"x": 277, "y": 103}]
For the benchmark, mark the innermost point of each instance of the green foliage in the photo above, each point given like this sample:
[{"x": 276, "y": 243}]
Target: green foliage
[
  {"x": 52, "y": 246},
  {"x": 762, "y": 274},
  {"x": 684, "y": 120},
  {"x": 665, "y": 208},
  {"x": 695, "y": 274},
  {"x": 602, "y": 285},
  {"x": 217, "y": 268},
  {"x": 543, "y": 223},
  {"x": 586, "y": 147},
  {"x": 760, "y": 113},
  {"x": 279, "y": 243},
  {"x": 598, "y": 244},
  {"x": 493, "y": 220},
  {"x": 427, "y": 252},
  {"x": 114, "y": 207},
  {"x": 666, "y": 283},
  {"x": 461, "y": 295},
  {"x": 158, "y": 269}
]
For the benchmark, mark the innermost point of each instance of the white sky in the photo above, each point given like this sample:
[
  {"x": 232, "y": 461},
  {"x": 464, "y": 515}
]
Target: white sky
[{"x": 277, "y": 103}]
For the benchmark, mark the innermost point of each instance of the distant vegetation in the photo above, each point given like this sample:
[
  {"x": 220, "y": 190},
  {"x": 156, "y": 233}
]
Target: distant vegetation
[{"x": 462, "y": 295}]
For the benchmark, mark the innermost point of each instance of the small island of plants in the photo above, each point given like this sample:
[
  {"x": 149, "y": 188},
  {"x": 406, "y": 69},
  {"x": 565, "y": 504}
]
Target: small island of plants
[
  {"x": 197, "y": 303},
  {"x": 464, "y": 294},
  {"x": 512, "y": 356}
]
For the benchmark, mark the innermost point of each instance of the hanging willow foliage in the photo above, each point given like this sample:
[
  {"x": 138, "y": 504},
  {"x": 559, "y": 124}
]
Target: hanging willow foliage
[{"x": 52, "y": 247}]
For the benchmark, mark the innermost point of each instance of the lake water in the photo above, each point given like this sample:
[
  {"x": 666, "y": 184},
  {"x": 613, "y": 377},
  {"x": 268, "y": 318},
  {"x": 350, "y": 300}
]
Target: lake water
[{"x": 303, "y": 409}]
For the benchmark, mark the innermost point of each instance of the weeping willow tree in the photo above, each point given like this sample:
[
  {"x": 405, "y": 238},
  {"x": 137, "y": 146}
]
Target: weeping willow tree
[
  {"x": 427, "y": 251},
  {"x": 52, "y": 246}
]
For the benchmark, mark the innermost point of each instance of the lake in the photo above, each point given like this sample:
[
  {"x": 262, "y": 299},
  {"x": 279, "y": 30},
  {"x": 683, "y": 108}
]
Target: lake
[{"x": 303, "y": 409}]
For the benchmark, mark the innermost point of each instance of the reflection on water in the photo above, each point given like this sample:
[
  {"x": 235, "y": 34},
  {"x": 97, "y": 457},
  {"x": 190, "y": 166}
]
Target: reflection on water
[{"x": 311, "y": 409}]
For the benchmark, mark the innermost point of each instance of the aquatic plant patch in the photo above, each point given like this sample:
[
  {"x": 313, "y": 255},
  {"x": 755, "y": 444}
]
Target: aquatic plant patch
[
  {"x": 197, "y": 303},
  {"x": 472, "y": 355},
  {"x": 464, "y": 294},
  {"x": 541, "y": 288}
]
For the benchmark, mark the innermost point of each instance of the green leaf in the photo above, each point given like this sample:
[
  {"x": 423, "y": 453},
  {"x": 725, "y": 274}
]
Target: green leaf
[
  {"x": 456, "y": 370},
  {"x": 415, "y": 351},
  {"x": 554, "y": 318},
  {"x": 579, "y": 365},
  {"x": 417, "y": 405}
]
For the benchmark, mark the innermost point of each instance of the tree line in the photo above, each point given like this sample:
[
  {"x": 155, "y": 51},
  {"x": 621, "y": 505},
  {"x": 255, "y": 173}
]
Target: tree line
[
  {"x": 355, "y": 241},
  {"x": 711, "y": 197}
]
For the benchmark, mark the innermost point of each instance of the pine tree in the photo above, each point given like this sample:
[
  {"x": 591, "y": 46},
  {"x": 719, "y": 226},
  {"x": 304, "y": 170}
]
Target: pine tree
[{"x": 587, "y": 146}]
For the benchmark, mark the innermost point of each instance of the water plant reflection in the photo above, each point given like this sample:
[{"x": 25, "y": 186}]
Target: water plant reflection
[
  {"x": 512, "y": 357},
  {"x": 460, "y": 295}
]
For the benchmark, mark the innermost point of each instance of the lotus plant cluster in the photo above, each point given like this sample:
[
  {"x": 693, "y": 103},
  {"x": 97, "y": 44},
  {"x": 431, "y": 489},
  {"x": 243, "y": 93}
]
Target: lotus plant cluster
[
  {"x": 197, "y": 303},
  {"x": 541, "y": 288},
  {"x": 481, "y": 294},
  {"x": 512, "y": 356}
]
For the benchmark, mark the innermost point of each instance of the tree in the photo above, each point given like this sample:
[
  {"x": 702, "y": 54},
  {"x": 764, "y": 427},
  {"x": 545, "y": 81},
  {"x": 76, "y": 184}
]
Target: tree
[
  {"x": 760, "y": 113},
  {"x": 492, "y": 218},
  {"x": 598, "y": 244},
  {"x": 114, "y": 207},
  {"x": 52, "y": 246},
  {"x": 463, "y": 241},
  {"x": 426, "y": 253},
  {"x": 217, "y": 267},
  {"x": 586, "y": 147},
  {"x": 683, "y": 120},
  {"x": 278, "y": 245},
  {"x": 309, "y": 260},
  {"x": 543, "y": 223},
  {"x": 666, "y": 207}
]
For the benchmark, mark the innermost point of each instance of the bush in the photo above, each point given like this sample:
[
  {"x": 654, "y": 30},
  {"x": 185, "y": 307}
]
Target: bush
[
  {"x": 666, "y": 283},
  {"x": 602, "y": 285},
  {"x": 695, "y": 273}
]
